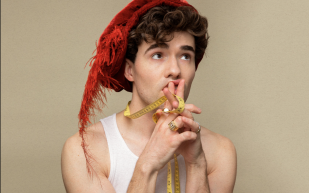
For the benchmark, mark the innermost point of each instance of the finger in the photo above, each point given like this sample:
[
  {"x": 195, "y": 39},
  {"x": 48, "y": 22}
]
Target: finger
[
  {"x": 187, "y": 114},
  {"x": 159, "y": 113},
  {"x": 193, "y": 109},
  {"x": 161, "y": 116},
  {"x": 186, "y": 136},
  {"x": 189, "y": 109},
  {"x": 168, "y": 93},
  {"x": 181, "y": 89},
  {"x": 170, "y": 117},
  {"x": 186, "y": 124},
  {"x": 178, "y": 122},
  {"x": 186, "y": 129},
  {"x": 171, "y": 87},
  {"x": 189, "y": 123},
  {"x": 170, "y": 97}
]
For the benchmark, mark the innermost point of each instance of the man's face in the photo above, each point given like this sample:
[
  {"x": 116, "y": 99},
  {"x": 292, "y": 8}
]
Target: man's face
[{"x": 155, "y": 66}]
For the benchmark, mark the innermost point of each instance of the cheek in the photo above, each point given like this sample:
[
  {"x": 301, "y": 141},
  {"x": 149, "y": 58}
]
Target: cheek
[
  {"x": 147, "y": 73},
  {"x": 144, "y": 78},
  {"x": 189, "y": 74},
  {"x": 140, "y": 70},
  {"x": 189, "y": 79}
]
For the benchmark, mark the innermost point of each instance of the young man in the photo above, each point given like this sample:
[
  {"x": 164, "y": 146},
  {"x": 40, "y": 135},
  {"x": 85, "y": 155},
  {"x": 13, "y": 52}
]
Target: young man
[{"x": 151, "y": 48}]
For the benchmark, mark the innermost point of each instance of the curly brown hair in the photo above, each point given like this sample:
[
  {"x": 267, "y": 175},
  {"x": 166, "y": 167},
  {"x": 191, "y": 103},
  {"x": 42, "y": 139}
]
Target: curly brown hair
[{"x": 159, "y": 24}]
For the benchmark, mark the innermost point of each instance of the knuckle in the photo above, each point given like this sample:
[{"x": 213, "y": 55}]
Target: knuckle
[
  {"x": 179, "y": 119},
  {"x": 187, "y": 135},
  {"x": 189, "y": 121},
  {"x": 189, "y": 106}
]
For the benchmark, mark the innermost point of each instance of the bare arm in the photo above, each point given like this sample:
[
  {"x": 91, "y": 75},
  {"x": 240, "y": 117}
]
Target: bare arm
[
  {"x": 158, "y": 151},
  {"x": 222, "y": 179},
  {"x": 75, "y": 175},
  {"x": 76, "y": 178},
  {"x": 143, "y": 179},
  {"x": 221, "y": 162},
  {"x": 197, "y": 180},
  {"x": 74, "y": 172}
]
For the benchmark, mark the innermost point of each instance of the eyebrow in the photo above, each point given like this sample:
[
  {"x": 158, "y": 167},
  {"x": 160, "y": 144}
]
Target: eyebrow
[
  {"x": 189, "y": 48},
  {"x": 153, "y": 46},
  {"x": 164, "y": 45}
]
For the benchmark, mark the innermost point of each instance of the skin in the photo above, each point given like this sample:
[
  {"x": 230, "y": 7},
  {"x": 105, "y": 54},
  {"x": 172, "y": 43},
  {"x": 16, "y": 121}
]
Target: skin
[{"x": 209, "y": 157}]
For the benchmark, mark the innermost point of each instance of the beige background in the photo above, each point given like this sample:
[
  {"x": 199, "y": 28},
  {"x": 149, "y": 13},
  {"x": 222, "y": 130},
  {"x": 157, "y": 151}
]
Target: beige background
[{"x": 253, "y": 87}]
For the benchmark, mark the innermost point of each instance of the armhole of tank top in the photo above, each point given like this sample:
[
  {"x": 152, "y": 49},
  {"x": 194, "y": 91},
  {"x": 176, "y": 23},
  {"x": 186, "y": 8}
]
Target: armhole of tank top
[{"x": 111, "y": 153}]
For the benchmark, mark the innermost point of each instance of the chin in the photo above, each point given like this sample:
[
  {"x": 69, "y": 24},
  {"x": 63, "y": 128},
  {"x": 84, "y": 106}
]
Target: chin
[{"x": 161, "y": 94}]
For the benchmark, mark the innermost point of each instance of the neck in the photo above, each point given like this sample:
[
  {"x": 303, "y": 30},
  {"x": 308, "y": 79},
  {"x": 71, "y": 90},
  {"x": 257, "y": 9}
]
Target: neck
[{"x": 142, "y": 127}]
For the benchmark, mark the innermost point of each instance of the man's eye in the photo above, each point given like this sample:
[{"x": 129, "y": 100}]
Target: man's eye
[
  {"x": 157, "y": 56},
  {"x": 185, "y": 57}
]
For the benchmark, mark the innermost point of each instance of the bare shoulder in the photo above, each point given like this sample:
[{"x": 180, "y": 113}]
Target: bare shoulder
[
  {"x": 73, "y": 162},
  {"x": 94, "y": 132},
  {"x": 221, "y": 159},
  {"x": 216, "y": 145},
  {"x": 96, "y": 141}
]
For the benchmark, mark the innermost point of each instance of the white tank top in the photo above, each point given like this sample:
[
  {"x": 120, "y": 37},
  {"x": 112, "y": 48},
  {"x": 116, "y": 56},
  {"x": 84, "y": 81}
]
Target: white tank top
[{"x": 123, "y": 161}]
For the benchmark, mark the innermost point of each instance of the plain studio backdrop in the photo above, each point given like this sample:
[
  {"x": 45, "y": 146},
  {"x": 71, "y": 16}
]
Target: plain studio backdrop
[{"x": 253, "y": 87}]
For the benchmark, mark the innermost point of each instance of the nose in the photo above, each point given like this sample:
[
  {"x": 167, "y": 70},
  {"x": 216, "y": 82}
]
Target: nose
[{"x": 172, "y": 68}]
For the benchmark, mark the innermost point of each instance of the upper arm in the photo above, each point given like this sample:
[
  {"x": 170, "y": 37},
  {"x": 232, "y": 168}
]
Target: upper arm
[
  {"x": 74, "y": 171},
  {"x": 222, "y": 178}
]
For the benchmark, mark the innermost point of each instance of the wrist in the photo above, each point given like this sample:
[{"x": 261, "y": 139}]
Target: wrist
[
  {"x": 199, "y": 163},
  {"x": 143, "y": 179},
  {"x": 146, "y": 168},
  {"x": 197, "y": 180}
]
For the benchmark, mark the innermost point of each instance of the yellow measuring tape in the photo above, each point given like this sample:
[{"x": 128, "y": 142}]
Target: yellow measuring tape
[{"x": 152, "y": 106}]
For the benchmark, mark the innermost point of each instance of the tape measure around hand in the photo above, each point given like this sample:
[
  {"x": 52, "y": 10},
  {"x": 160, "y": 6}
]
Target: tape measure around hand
[{"x": 152, "y": 106}]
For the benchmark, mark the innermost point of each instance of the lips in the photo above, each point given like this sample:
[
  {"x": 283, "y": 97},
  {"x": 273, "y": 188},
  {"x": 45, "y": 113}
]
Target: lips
[{"x": 176, "y": 82}]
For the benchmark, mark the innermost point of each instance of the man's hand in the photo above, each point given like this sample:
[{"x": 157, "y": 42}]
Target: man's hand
[
  {"x": 164, "y": 142},
  {"x": 191, "y": 150}
]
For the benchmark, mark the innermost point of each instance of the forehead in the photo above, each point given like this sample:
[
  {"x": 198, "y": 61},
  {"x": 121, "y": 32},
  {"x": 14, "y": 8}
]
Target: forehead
[{"x": 179, "y": 40}]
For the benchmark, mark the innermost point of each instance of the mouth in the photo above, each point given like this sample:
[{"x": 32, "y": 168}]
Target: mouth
[{"x": 176, "y": 83}]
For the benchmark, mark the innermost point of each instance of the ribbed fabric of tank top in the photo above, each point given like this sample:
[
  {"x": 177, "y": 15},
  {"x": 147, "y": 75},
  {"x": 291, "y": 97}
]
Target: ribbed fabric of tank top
[{"x": 123, "y": 161}]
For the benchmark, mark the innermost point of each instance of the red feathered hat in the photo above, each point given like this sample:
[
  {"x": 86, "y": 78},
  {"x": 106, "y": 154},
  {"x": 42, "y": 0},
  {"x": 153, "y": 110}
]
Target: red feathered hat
[{"x": 107, "y": 66}]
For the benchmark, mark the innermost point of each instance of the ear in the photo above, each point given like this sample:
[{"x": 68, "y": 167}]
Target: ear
[{"x": 128, "y": 72}]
